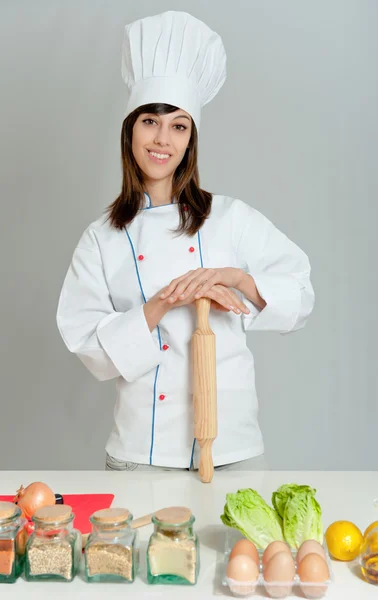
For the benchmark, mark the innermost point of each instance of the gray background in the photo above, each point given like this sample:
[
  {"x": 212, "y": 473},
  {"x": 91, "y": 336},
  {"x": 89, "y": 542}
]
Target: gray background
[{"x": 293, "y": 132}]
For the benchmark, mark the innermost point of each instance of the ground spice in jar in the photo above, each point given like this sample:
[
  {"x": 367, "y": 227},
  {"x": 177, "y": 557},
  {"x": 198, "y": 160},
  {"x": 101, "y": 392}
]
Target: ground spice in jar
[
  {"x": 110, "y": 550},
  {"x": 111, "y": 559},
  {"x": 12, "y": 536},
  {"x": 172, "y": 550},
  {"x": 7, "y": 556},
  {"x": 173, "y": 557}
]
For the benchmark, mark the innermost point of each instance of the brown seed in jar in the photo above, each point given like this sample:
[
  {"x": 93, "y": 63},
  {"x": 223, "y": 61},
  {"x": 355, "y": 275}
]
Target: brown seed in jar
[
  {"x": 109, "y": 559},
  {"x": 51, "y": 560}
]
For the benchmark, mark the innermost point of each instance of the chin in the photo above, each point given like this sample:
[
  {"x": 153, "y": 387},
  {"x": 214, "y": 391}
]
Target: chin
[{"x": 158, "y": 172}]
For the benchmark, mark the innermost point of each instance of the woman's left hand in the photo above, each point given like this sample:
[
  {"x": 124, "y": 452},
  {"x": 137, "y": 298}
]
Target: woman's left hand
[{"x": 201, "y": 280}]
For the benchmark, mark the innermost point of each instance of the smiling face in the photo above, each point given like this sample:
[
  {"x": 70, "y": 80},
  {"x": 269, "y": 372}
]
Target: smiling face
[{"x": 159, "y": 143}]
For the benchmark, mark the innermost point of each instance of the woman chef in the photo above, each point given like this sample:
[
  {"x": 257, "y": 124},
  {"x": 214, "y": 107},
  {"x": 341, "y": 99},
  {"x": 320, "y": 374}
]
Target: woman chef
[{"x": 127, "y": 306}]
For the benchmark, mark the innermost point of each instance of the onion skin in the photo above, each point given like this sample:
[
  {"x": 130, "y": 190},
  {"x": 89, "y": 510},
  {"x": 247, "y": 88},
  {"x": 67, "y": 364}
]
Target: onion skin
[{"x": 34, "y": 496}]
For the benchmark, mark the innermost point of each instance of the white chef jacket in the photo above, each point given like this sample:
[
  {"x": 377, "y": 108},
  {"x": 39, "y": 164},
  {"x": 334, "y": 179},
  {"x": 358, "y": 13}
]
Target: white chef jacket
[{"x": 101, "y": 319}]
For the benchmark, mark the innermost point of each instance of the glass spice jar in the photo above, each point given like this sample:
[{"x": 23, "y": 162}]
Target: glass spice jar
[
  {"x": 368, "y": 557},
  {"x": 53, "y": 551},
  {"x": 112, "y": 550},
  {"x": 173, "y": 548},
  {"x": 13, "y": 539}
]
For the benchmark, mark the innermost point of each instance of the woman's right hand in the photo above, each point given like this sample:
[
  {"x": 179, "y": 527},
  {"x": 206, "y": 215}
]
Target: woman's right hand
[{"x": 222, "y": 298}]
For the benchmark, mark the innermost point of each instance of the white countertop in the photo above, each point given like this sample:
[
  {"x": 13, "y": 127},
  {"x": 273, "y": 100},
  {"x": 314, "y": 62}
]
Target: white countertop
[{"x": 342, "y": 495}]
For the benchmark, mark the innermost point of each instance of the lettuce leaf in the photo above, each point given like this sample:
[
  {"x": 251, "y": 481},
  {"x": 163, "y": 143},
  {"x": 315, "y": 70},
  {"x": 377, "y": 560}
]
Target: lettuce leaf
[
  {"x": 248, "y": 512},
  {"x": 300, "y": 512},
  {"x": 286, "y": 491}
]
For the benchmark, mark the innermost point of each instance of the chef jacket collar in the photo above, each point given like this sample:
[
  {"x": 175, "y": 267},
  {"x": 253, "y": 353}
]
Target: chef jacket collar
[{"x": 148, "y": 202}]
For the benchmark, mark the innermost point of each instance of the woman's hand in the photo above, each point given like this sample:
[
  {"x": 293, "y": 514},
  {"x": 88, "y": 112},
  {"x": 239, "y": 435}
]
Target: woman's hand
[
  {"x": 222, "y": 298},
  {"x": 200, "y": 281}
]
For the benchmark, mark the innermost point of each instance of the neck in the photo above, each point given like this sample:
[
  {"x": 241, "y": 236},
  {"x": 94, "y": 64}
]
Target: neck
[{"x": 160, "y": 192}]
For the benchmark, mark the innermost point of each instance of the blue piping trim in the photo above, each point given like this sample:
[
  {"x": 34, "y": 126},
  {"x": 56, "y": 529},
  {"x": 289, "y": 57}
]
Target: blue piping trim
[
  {"x": 153, "y": 416},
  {"x": 200, "y": 248},
  {"x": 159, "y": 206},
  {"x": 136, "y": 266},
  {"x": 157, "y": 368},
  {"x": 200, "y": 251},
  {"x": 150, "y": 203},
  {"x": 149, "y": 200},
  {"x": 191, "y": 458}
]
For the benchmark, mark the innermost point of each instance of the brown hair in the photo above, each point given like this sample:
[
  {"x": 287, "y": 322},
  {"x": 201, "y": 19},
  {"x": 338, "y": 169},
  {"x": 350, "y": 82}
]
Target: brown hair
[{"x": 185, "y": 185}]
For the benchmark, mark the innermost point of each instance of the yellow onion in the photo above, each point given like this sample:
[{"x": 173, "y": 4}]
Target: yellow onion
[{"x": 34, "y": 496}]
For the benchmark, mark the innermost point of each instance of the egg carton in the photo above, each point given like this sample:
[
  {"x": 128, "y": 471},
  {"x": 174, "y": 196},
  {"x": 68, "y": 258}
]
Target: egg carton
[{"x": 274, "y": 589}]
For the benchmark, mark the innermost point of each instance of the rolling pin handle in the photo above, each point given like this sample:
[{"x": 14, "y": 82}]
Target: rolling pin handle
[
  {"x": 206, "y": 466},
  {"x": 203, "y": 310}
]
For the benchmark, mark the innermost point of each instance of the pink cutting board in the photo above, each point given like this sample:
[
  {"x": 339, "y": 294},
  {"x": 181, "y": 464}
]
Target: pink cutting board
[{"x": 83, "y": 506}]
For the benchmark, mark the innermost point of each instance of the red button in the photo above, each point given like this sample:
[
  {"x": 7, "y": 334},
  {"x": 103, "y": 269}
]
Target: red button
[
  {"x": 165, "y": 347},
  {"x": 140, "y": 257},
  {"x": 191, "y": 249},
  {"x": 185, "y": 207},
  {"x": 161, "y": 397}
]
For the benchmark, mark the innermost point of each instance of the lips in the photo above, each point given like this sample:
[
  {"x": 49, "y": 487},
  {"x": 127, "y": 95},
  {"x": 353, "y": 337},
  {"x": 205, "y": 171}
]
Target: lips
[{"x": 156, "y": 160}]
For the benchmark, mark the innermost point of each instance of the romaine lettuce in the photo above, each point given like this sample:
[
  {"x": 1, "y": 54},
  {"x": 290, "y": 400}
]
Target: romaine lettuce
[{"x": 247, "y": 511}]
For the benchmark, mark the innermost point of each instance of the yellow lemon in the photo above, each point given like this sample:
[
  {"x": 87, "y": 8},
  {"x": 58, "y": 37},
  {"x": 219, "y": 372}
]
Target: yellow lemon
[{"x": 344, "y": 540}]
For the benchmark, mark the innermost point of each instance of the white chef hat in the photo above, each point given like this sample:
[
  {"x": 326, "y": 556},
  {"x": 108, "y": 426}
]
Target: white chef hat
[{"x": 172, "y": 58}]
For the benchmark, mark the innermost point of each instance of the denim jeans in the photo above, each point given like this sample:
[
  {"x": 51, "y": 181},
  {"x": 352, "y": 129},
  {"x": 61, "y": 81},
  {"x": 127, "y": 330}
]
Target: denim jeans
[{"x": 257, "y": 463}]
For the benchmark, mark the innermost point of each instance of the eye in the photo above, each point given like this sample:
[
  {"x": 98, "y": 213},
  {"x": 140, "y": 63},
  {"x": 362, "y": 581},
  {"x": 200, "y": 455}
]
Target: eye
[{"x": 179, "y": 126}]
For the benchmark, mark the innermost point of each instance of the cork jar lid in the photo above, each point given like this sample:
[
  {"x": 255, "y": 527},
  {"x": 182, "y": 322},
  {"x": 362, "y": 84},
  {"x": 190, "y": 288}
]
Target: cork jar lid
[
  {"x": 8, "y": 510},
  {"x": 56, "y": 513},
  {"x": 174, "y": 515},
  {"x": 111, "y": 515}
]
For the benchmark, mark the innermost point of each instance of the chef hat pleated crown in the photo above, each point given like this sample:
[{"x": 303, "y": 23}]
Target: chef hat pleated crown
[{"x": 172, "y": 58}]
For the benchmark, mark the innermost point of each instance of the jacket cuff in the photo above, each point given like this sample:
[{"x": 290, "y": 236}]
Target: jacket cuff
[
  {"x": 129, "y": 343},
  {"x": 282, "y": 295}
]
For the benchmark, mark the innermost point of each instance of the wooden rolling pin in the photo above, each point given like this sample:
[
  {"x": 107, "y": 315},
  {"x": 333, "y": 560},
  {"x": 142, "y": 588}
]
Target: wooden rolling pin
[{"x": 204, "y": 388}]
